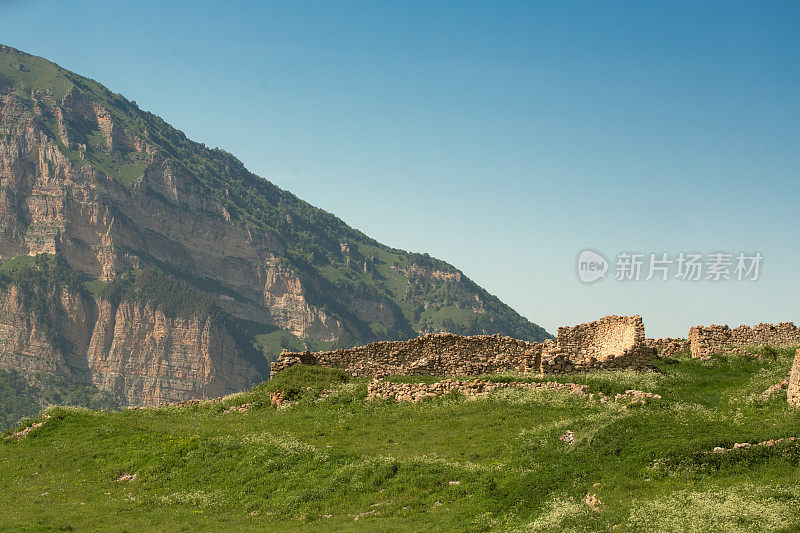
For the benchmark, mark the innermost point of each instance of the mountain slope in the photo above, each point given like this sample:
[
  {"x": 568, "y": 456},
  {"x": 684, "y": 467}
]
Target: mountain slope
[{"x": 113, "y": 191}]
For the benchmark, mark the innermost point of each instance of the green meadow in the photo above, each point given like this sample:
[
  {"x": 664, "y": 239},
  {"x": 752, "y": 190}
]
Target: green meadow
[{"x": 334, "y": 461}]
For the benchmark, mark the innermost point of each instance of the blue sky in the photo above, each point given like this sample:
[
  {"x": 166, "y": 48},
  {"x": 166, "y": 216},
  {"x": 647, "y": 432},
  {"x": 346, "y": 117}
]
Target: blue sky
[{"x": 501, "y": 137}]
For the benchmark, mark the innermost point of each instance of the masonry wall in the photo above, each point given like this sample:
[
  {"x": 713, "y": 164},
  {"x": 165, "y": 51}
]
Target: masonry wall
[
  {"x": 708, "y": 340},
  {"x": 668, "y": 347},
  {"x": 610, "y": 342},
  {"x": 793, "y": 390},
  {"x": 432, "y": 354}
]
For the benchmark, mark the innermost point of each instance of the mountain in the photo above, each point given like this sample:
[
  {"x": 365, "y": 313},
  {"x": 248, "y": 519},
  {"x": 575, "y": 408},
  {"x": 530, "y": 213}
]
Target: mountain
[{"x": 148, "y": 267}]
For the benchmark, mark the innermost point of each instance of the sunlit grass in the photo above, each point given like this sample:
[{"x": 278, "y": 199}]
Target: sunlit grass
[{"x": 335, "y": 461}]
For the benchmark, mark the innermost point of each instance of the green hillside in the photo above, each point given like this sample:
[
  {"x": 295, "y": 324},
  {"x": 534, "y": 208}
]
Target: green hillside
[
  {"x": 335, "y": 461},
  {"x": 312, "y": 238}
]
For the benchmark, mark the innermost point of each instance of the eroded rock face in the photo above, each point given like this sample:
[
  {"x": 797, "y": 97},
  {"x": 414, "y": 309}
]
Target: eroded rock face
[
  {"x": 144, "y": 357},
  {"x": 45, "y": 339},
  {"x": 50, "y": 204},
  {"x": 132, "y": 351}
]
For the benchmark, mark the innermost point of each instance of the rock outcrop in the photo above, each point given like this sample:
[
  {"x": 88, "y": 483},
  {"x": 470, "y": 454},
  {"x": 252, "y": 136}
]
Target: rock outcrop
[
  {"x": 131, "y": 351},
  {"x": 45, "y": 339},
  {"x": 144, "y": 357}
]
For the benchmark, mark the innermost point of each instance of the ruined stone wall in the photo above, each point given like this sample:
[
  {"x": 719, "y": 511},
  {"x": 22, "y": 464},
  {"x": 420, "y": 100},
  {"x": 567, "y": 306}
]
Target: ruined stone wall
[
  {"x": 668, "y": 347},
  {"x": 793, "y": 389},
  {"x": 612, "y": 342},
  {"x": 431, "y": 354},
  {"x": 708, "y": 340}
]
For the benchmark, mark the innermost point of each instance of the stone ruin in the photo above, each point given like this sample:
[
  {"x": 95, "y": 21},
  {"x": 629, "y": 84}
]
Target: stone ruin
[
  {"x": 707, "y": 340},
  {"x": 612, "y": 342},
  {"x": 668, "y": 347},
  {"x": 431, "y": 354},
  {"x": 793, "y": 389}
]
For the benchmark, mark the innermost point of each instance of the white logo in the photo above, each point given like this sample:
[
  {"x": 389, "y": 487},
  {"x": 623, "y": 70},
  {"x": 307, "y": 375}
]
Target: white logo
[
  {"x": 591, "y": 266},
  {"x": 685, "y": 266}
]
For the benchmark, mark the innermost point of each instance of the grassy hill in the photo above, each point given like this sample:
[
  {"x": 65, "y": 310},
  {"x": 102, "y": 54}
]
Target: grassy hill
[{"x": 335, "y": 461}]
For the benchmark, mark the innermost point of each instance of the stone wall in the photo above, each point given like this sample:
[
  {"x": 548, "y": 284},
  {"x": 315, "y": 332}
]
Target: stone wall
[
  {"x": 708, "y": 340},
  {"x": 793, "y": 389},
  {"x": 612, "y": 342},
  {"x": 431, "y": 354},
  {"x": 668, "y": 347}
]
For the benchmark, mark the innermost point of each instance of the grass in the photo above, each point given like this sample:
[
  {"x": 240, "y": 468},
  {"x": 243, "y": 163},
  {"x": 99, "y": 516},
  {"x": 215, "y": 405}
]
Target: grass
[
  {"x": 338, "y": 462},
  {"x": 17, "y": 264}
]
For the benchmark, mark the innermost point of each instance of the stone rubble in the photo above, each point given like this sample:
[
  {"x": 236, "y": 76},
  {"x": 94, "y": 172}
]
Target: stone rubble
[
  {"x": 592, "y": 501},
  {"x": 238, "y": 408},
  {"x": 636, "y": 395},
  {"x": 767, "y": 394},
  {"x": 24, "y": 432},
  {"x": 278, "y": 399},
  {"x": 567, "y": 438},
  {"x": 745, "y": 445},
  {"x": 416, "y": 392}
]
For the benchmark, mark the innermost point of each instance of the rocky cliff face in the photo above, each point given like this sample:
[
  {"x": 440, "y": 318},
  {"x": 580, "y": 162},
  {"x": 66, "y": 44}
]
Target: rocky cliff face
[
  {"x": 44, "y": 340},
  {"x": 49, "y": 204},
  {"x": 132, "y": 351},
  {"x": 144, "y": 357},
  {"x": 88, "y": 176}
]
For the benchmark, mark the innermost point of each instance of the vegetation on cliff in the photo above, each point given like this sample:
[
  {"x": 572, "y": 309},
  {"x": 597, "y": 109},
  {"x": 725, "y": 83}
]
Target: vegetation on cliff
[
  {"x": 177, "y": 299},
  {"x": 40, "y": 283},
  {"x": 20, "y": 399},
  {"x": 41, "y": 280},
  {"x": 512, "y": 460}
]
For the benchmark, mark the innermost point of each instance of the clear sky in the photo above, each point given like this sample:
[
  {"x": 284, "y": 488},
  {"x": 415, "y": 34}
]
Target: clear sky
[{"x": 502, "y": 137}]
